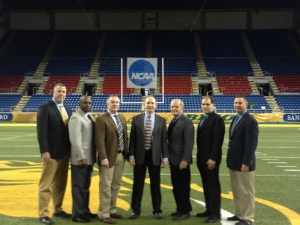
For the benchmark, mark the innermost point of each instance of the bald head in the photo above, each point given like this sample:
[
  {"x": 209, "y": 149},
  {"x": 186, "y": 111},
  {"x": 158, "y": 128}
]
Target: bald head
[{"x": 85, "y": 103}]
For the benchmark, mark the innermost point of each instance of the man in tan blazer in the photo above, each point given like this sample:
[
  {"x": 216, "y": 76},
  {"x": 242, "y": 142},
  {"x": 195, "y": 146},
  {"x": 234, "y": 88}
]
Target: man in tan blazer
[
  {"x": 83, "y": 157},
  {"x": 112, "y": 146}
]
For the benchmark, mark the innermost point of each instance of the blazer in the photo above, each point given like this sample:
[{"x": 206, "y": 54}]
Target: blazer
[
  {"x": 210, "y": 137},
  {"x": 107, "y": 138},
  {"x": 53, "y": 134},
  {"x": 242, "y": 143},
  {"x": 82, "y": 138},
  {"x": 159, "y": 140},
  {"x": 181, "y": 142}
]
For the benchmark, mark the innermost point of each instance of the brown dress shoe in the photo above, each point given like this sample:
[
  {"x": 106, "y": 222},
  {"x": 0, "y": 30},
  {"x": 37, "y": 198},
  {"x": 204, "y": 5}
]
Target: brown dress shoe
[
  {"x": 107, "y": 220},
  {"x": 116, "y": 216}
]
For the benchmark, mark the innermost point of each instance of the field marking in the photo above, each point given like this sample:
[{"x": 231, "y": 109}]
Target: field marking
[
  {"x": 268, "y": 159},
  {"x": 291, "y": 170},
  {"x": 277, "y": 162},
  {"x": 286, "y": 166}
]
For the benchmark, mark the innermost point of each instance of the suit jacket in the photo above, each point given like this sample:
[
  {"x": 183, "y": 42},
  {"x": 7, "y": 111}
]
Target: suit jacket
[
  {"x": 181, "y": 142},
  {"x": 159, "y": 139},
  {"x": 107, "y": 138},
  {"x": 210, "y": 137},
  {"x": 53, "y": 135},
  {"x": 242, "y": 143},
  {"x": 81, "y": 133}
]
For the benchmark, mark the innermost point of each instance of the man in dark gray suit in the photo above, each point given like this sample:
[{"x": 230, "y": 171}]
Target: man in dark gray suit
[
  {"x": 147, "y": 152},
  {"x": 180, "y": 145},
  {"x": 210, "y": 136},
  {"x": 243, "y": 138},
  {"x": 83, "y": 157}
]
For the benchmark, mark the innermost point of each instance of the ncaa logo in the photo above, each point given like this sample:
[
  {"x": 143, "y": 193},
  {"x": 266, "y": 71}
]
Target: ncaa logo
[{"x": 141, "y": 73}]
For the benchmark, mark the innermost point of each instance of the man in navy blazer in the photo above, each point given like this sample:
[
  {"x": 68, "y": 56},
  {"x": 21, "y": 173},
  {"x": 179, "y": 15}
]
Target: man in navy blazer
[
  {"x": 53, "y": 138},
  {"x": 243, "y": 138},
  {"x": 180, "y": 145},
  {"x": 210, "y": 136}
]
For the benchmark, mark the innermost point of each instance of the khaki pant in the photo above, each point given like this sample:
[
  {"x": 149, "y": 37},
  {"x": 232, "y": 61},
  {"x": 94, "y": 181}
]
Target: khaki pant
[{"x": 53, "y": 184}]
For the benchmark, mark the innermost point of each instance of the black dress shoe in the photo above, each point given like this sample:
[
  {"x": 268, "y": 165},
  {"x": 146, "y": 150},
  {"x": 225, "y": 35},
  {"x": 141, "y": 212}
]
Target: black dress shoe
[
  {"x": 212, "y": 219},
  {"x": 90, "y": 215},
  {"x": 46, "y": 220},
  {"x": 233, "y": 218},
  {"x": 174, "y": 214},
  {"x": 182, "y": 216},
  {"x": 204, "y": 214},
  {"x": 243, "y": 222},
  {"x": 134, "y": 215},
  {"x": 81, "y": 219},
  {"x": 157, "y": 215},
  {"x": 62, "y": 214}
]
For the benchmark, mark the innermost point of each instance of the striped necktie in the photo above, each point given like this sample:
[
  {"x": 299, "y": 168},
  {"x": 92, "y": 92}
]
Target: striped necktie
[
  {"x": 148, "y": 133},
  {"x": 63, "y": 114},
  {"x": 120, "y": 133}
]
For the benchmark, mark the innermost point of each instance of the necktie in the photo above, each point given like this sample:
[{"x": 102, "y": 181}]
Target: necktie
[
  {"x": 148, "y": 133},
  {"x": 234, "y": 124},
  {"x": 91, "y": 119},
  {"x": 63, "y": 114},
  {"x": 171, "y": 127},
  {"x": 120, "y": 132},
  {"x": 203, "y": 120}
]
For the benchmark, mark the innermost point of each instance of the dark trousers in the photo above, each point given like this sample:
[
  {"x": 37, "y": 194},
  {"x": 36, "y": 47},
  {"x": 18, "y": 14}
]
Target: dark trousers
[
  {"x": 181, "y": 181},
  {"x": 139, "y": 181},
  {"x": 211, "y": 187},
  {"x": 81, "y": 181}
]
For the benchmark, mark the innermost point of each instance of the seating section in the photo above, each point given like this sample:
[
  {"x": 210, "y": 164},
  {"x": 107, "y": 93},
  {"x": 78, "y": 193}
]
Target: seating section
[
  {"x": 99, "y": 102},
  {"x": 176, "y": 84},
  {"x": 25, "y": 51},
  {"x": 225, "y": 103},
  {"x": 112, "y": 85},
  {"x": 234, "y": 84},
  {"x": 191, "y": 102},
  {"x": 289, "y": 103},
  {"x": 178, "y": 50},
  {"x": 39, "y": 99},
  {"x": 10, "y": 84},
  {"x": 121, "y": 44},
  {"x": 224, "y": 53},
  {"x": 274, "y": 52},
  {"x": 8, "y": 101},
  {"x": 71, "y": 83},
  {"x": 288, "y": 83}
]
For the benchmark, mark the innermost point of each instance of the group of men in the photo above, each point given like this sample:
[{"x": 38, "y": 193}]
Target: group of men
[{"x": 63, "y": 137}]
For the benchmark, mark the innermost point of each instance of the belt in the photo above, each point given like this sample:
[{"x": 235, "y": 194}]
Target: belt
[{"x": 119, "y": 151}]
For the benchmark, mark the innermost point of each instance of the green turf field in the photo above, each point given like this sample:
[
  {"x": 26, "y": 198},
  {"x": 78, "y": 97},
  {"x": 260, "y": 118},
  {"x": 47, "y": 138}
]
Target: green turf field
[{"x": 277, "y": 181}]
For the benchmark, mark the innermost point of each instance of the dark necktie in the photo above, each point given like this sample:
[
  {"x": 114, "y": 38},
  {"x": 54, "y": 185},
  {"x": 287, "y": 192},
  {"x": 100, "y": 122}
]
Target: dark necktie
[
  {"x": 171, "y": 127},
  {"x": 148, "y": 133},
  {"x": 234, "y": 124},
  {"x": 120, "y": 132},
  {"x": 90, "y": 117},
  {"x": 203, "y": 120}
]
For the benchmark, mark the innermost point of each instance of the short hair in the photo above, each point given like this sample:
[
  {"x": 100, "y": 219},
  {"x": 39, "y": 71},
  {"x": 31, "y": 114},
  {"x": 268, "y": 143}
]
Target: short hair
[
  {"x": 180, "y": 102},
  {"x": 212, "y": 100},
  {"x": 110, "y": 96},
  {"x": 241, "y": 96},
  {"x": 59, "y": 85},
  {"x": 151, "y": 97}
]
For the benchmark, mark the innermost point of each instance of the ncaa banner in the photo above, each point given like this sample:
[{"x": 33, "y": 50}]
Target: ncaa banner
[{"x": 141, "y": 72}]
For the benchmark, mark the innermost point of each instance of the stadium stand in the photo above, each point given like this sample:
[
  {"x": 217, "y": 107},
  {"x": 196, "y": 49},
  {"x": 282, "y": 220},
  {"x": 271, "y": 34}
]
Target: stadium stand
[
  {"x": 39, "y": 99},
  {"x": 288, "y": 83},
  {"x": 176, "y": 84},
  {"x": 9, "y": 84},
  {"x": 112, "y": 85},
  {"x": 289, "y": 103},
  {"x": 70, "y": 82},
  {"x": 234, "y": 84},
  {"x": 8, "y": 101}
]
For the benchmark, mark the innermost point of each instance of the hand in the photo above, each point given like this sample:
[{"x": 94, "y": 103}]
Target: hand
[
  {"x": 244, "y": 168},
  {"x": 211, "y": 164},
  {"x": 83, "y": 162},
  {"x": 183, "y": 165},
  {"x": 105, "y": 163},
  {"x": 164, "y": 164},
  {"x": 131, "y": 162},
  {"x": 46, "y": 157}
]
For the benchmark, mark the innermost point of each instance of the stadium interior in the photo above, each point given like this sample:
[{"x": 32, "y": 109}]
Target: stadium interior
[{"x": 263, "y": 63}]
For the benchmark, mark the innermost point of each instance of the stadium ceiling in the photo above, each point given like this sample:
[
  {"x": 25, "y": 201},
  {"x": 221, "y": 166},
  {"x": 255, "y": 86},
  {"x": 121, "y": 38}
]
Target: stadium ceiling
[{"x": 147, "y": 4}]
